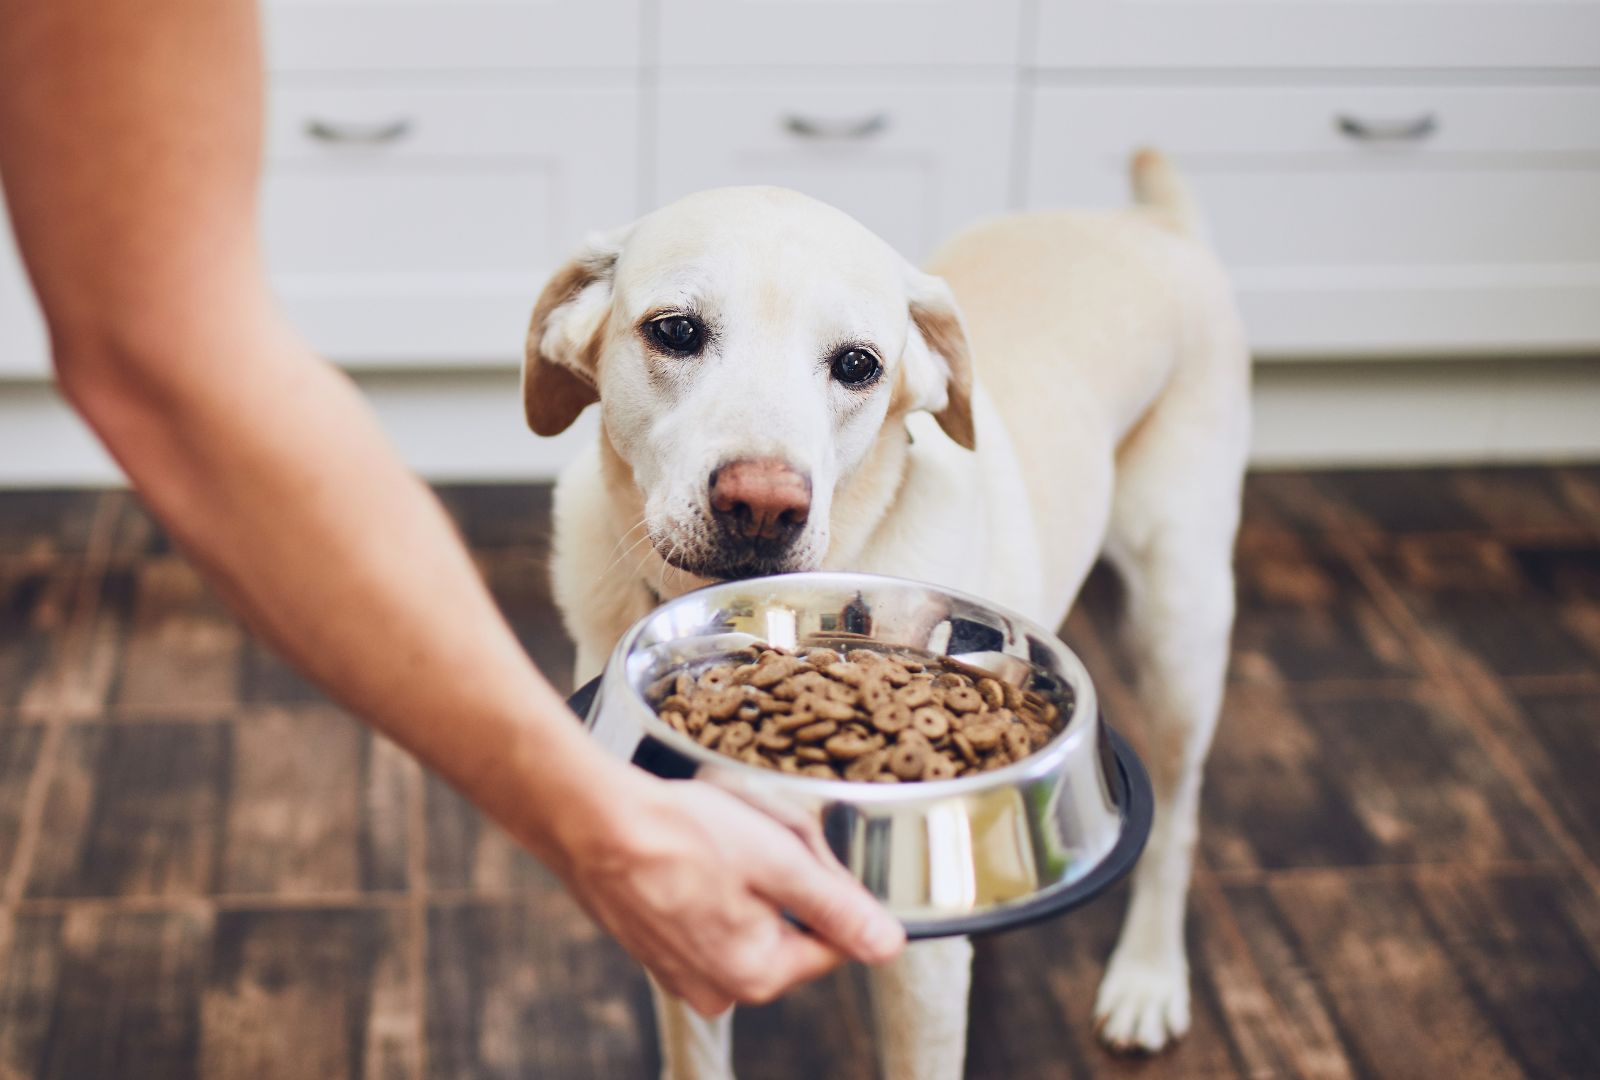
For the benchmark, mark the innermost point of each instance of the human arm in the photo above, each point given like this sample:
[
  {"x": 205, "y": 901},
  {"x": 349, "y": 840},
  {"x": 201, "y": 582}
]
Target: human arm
[{"x": 129, "y": 149}]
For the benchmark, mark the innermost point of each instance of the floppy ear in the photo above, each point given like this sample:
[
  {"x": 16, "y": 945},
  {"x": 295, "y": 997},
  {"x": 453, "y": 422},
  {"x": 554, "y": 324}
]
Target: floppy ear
[
  {"x": 938, "y": 363},
  {"x": 560, "y": 375}
]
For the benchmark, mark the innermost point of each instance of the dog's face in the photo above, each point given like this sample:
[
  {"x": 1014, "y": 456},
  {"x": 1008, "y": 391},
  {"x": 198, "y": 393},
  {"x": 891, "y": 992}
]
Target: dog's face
[{"x": 747, "y": 347}]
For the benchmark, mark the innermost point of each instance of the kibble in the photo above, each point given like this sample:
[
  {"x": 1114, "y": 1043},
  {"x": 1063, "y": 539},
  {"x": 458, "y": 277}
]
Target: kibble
[{"x": 864, "y": 715}]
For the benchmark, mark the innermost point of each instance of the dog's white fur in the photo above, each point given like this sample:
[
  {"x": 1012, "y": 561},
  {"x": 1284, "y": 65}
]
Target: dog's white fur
[{"x": 1110, "y": 416}]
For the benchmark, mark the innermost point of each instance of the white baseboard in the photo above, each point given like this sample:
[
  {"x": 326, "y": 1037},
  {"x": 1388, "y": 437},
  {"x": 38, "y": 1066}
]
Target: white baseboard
[
  {"x": 467, "y": 425},
  {"x": 1387, "y": 412}
]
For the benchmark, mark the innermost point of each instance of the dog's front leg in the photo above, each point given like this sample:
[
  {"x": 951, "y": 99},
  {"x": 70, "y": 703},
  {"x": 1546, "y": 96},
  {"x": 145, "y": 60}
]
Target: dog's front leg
[
  {"x": 1180, "y": 613},
  {"x": 692, "y": 1047},
  {"x": 920, "y": 1002}
]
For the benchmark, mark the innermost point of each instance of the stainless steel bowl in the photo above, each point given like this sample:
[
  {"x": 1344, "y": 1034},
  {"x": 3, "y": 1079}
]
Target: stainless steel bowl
[{"x": 962, "y": 856}]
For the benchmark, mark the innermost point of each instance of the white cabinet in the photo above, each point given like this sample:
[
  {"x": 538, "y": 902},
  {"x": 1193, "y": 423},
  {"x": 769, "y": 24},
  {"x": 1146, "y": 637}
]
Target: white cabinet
[
  {"x": 1181, "y": 34},
  {"x": 1362, "y": 219},
  {"x": 24, "y": 349},
  {"x": 865, "y": 34},
  {"x": 913, "y": 161},
  {"x": 371, "y": 35},
  {"x": 415, "y": 225}
]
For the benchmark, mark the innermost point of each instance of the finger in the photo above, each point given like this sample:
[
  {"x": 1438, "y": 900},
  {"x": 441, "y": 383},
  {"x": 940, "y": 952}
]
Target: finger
[
  {"x": 795, "y": 958},
  {"x": 805, "y": 958},
  {"x": 832, "y": 906}
]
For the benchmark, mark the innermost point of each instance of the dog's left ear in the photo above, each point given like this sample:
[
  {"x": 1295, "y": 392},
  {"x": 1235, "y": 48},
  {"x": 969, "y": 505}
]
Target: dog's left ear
[
  {"x": 938, "y": 363},
  {"x": 560, "y": 370}
]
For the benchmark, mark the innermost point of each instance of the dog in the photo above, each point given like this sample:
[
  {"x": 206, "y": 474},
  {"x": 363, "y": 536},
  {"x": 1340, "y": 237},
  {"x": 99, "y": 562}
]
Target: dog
[{"x": 780, "y": 390}]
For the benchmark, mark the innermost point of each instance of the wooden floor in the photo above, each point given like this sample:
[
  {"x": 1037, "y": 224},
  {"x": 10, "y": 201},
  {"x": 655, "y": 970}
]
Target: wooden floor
[{"x": 207, "y": 871}]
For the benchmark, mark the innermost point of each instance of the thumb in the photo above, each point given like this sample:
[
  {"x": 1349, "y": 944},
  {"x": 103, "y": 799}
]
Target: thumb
[{"x": 832, "y": 905}]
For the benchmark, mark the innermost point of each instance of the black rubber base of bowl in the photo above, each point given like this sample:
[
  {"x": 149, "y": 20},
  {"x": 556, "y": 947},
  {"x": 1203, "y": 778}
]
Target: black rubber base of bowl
[{"x": 1133, "y": 794}]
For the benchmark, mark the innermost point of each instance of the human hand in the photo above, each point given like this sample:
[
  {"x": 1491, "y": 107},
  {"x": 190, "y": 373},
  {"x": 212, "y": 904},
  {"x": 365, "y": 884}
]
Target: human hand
[{"x": 694, "y": 882}]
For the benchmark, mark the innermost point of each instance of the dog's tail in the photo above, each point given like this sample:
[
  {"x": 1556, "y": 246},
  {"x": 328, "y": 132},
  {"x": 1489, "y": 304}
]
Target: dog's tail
[{"x": 1160, "y": 188}]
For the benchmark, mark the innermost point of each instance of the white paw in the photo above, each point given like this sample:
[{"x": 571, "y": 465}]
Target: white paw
[{"x": 1142, "y": 1006}]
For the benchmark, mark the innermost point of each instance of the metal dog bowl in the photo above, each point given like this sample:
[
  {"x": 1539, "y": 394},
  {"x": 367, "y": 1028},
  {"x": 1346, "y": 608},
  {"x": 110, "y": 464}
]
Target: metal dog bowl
[{"x": 976, "y": 853}]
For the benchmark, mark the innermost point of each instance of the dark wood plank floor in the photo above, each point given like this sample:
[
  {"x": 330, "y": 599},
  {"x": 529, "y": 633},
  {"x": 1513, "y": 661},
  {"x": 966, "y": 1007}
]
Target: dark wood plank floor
[{"x": 206, "y": 870}]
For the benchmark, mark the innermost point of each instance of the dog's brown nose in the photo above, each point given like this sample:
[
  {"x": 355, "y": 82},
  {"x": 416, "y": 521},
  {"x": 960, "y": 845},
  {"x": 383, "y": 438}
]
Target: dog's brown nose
[{"x": 765, "y": 500}]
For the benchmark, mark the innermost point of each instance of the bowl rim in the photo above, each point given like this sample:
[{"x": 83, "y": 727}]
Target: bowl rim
[{"x": 1082, "y": 725}]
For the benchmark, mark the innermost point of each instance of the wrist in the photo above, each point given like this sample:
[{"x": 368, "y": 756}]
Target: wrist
[{"x": 565, "y": 798}]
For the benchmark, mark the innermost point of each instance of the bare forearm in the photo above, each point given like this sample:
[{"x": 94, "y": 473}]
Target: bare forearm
[{"x": 277, "y": 480}]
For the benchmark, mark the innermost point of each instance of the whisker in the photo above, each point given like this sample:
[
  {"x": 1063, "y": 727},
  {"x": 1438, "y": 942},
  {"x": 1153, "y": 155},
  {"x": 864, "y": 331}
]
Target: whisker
[
  {"x": 615, "y": 562},
  {"x": 623, "y": 537}
]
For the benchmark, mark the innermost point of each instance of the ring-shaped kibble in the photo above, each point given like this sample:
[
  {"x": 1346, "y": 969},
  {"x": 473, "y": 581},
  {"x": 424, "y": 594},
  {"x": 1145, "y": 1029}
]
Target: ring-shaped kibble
[
  {"x": 963, "y": 699},
  {"x": 775, "y": 741},
  {"x": 794, "y": 721},
  {"x": 816, "y": 732},
  {"x": 736, "y": 736},
  {"x": 964, "y": 747},
  {"x": 908, "y": 761},
  {"x": 983, "y": 737},
  {"x": 939, "y": 768},
  {"x": 931, "y": 722},
  {"x": 848, "y": 745},
  {"x": 719, "y": 677},
  {"x": 892, "y": 719},
  {"x": 876, "y": 695},
  {"x": 867, "y": 766},
  {"x": 1017, "y": 744}
]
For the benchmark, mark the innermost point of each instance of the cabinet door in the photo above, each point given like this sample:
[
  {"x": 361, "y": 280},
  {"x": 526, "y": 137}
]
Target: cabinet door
[
  {"x": 24, "y": 348},
  {"x": 1366, "y": 220},
  {"x": 1342, "y": 33},
  {"x": 861, "y": 33},
  {"x": 416, "y": 225},
  {"x": 366, "y": 35},
  {"x": 913, "y": 163}
]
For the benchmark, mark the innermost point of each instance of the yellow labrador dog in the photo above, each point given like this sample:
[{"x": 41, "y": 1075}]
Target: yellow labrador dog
[{"x": 779, "y": 390}]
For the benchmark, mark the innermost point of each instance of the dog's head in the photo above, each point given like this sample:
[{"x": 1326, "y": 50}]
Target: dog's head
[{"x": 748, "y": 347}]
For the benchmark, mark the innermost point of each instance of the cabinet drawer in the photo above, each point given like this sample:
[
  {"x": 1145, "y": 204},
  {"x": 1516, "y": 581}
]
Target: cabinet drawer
[
  {"x": 913, "y": 163},
  {"x": 1366, "y": 220},
  {"x": 426, "y": 235},
  {"x": 696, "y": 33},
  {"x": 1326, "y": 33},
  {"x": 368, "y": 35}
]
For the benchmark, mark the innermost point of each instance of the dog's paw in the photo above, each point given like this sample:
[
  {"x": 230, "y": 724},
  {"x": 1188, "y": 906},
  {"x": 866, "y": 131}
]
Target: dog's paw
[{"x": 1142, "y": 1006}]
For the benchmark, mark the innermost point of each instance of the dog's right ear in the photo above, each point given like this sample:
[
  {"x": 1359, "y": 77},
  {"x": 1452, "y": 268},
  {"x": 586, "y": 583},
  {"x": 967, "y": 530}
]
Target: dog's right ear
[{"x": 560, "y": 370}]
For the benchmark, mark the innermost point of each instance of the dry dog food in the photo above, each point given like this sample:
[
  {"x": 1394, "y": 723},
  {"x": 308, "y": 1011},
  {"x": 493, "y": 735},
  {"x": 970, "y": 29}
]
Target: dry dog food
[{"x": 863, "y": 715}]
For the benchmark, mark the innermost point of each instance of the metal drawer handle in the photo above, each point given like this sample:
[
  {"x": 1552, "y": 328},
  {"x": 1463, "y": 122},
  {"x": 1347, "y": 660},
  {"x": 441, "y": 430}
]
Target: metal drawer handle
[
  {"x": 1387, "y": 130},
  {"x": 364, "y": 134},
  {"x": 811, "y": 128}
]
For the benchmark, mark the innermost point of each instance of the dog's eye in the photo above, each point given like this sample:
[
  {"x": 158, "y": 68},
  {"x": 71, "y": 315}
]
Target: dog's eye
[
  {"x": 856, "y": 367},
  {"x": 678, "y": 334}
]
